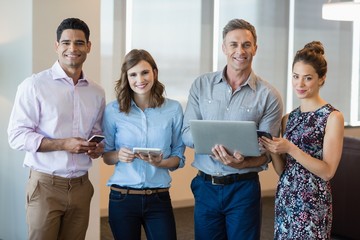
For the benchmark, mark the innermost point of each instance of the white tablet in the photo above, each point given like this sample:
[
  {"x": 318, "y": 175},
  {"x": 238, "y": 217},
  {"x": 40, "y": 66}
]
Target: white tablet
[
  {"x": 234, "y": 135},
  {"x": 151, "y": 151}
]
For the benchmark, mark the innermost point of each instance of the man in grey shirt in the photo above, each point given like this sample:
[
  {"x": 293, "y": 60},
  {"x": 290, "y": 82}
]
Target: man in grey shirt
[{"x": 227, "y": 188}]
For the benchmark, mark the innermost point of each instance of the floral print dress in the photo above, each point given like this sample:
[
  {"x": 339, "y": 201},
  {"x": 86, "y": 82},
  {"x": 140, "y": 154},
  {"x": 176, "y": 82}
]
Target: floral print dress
[{"x": 303, "y": 203}]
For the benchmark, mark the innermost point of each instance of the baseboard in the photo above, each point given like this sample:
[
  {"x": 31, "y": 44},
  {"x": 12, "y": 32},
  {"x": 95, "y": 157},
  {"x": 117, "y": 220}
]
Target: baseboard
[
  {"x": 183, "y": 203},
  {"x": 268, "y": 193},
  {"x": 104, "y": 212}
]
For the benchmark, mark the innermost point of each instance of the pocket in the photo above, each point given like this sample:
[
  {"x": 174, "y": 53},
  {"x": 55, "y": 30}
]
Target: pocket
[
  {"x": 91, "y": 186},
  {"x": 163, "y": 197},
  {"x": 31, "y": 190},
  {"x": 194, "y": 184},
  {"x": 116, "y": 196},
  {"x": 248, "y": 113},
  {"x": 210, "y": 109}
]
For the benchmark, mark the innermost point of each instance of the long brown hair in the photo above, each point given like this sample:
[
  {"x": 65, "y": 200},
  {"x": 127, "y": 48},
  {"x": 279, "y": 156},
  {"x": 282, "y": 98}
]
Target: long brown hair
[{"x": 125, "y": 94}]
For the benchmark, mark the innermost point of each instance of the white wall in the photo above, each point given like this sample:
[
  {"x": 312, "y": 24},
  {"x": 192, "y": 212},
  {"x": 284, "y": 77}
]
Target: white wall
[
  {"x": 15, "y": 65},
  {"x": 27, "y": 36}
]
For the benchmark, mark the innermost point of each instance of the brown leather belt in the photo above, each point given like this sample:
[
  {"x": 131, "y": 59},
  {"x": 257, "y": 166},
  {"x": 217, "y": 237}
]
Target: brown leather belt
[
  {"x": 228, "y": 179},
  {"x": 148, "y": 191}
]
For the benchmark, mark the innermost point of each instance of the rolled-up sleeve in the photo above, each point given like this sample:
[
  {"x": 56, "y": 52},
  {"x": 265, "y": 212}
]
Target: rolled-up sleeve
[
  {"x": 24, "y": 120},
  {"x": 178, "y": 147}
]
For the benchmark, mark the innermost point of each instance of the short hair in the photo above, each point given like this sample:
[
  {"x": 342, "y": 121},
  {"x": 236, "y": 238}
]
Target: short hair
[
  {"x": 313, "y": 54},
  {"x": 125, "y": 94},
  {"x": 239, "y": 24},
  {"x": 73, "y": 23}
]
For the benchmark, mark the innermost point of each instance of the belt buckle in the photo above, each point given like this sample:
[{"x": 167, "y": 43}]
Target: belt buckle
[
  {"x": 214, "y": 183},
  {"x": 148, "y": 192}
]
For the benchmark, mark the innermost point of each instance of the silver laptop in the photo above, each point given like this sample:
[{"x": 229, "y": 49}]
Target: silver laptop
[{"x": 234, "y": 135}]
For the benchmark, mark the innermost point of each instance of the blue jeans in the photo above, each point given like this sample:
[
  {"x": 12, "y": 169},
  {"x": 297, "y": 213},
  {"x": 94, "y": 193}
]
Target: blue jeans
[
  {"x": 227, "y": 212},
  {"x": 127, "y": 212}
]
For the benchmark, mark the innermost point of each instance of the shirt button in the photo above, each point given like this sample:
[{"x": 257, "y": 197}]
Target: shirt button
[{"x": 209, "y": 101}]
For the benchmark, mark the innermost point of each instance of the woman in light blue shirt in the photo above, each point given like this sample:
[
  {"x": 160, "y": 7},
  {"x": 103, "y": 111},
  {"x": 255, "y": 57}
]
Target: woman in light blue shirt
[{"x": 142, "y": 117}]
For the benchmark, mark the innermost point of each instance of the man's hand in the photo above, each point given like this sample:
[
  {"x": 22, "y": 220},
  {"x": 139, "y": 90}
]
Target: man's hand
[
  {"x": 73, "y": 145},
  {"x": 236, "y": 160},
  {"x": 97, "y": 152},
  {"x": 77, "y": 145}
]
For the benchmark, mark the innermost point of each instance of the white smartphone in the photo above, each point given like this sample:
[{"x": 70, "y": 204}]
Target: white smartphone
[
  {"x": 96, "y": 138},
  {"x": 151, "y": 151}
]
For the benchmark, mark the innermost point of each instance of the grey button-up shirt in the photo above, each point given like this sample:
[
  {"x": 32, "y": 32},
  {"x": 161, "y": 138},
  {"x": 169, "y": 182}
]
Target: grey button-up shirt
[{"x": 212, "y": 98}]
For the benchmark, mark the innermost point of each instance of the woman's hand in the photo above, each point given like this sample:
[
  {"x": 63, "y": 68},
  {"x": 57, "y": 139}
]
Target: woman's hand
[
  {"x": 276, "y": 145},
  {"x": 153, "y": 159},
  {"x": 126, "y": 155}
]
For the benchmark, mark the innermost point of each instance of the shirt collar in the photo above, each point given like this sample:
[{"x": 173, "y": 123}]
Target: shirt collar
[
  {"x": 59, "y": 73},
  {"x": 251, "y": 81}
]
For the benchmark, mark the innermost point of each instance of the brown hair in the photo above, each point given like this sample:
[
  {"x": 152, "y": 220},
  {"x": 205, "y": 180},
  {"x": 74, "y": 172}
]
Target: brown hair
[
  {"x": 124, "y": 94},
  {"x": 313, "y": 54},
  {"x": 239, "y": 24}
]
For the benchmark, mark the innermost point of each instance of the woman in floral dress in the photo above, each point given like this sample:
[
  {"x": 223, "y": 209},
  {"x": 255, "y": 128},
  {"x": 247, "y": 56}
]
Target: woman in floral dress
[{"x": 308, "y": 154}]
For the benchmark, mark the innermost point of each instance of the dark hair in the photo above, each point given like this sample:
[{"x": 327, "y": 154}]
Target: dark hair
[
  {"x": 124, "y": 93},
  {"x": 72, "y": 23},
  {"x": 239, "y": 24},
  {"x": 313, "y": 54}
]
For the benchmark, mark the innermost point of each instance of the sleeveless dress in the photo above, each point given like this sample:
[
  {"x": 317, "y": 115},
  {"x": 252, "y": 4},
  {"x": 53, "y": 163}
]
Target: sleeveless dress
[{"x": 303, "y": 202}]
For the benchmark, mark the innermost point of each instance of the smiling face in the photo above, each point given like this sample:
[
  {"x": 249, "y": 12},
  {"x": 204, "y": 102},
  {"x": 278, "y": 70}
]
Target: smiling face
[
  {"x": 239, "y": 48},
  {"x": 141, "y": 78},
  {"x": 306, "y": 82},
  {"x": 72, "y": 50}
]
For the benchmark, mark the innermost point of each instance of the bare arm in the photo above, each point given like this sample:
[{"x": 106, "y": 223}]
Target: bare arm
[
  {"x": 123, "y": 155},
  {"x": 278, "y": 160},
  {"x": 332, "y": 149},
  {"x": 73, "y": 145},
  {"x": 110, "y": 158},
  {"x": 158, "y": 161}
]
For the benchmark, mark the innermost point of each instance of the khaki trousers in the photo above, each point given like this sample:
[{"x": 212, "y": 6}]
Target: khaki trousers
[{"x": 56, "y": 207}]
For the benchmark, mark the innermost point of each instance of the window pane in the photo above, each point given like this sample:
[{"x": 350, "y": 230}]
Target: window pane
[
  {"x": 270, "y": 18},
  {"x": 336, "y": 37},
  {"x": 171, "y": 32}
]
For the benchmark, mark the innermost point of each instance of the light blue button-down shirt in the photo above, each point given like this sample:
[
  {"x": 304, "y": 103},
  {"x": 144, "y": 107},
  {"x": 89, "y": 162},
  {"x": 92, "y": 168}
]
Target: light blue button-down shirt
[
  {"x": 48, "y": 104},
  {"x": 212, "y": 98},
  {"x": 153, "y": 128}
]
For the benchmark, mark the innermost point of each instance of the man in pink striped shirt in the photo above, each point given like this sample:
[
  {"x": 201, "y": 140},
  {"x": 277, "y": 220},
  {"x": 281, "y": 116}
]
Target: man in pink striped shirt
[{"x": 54, "y": 113}]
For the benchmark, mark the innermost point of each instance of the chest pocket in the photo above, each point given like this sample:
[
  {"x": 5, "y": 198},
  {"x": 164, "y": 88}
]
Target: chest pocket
[
  {"x": 211, "y": 109},
  {"x": 245, "y": 113}
]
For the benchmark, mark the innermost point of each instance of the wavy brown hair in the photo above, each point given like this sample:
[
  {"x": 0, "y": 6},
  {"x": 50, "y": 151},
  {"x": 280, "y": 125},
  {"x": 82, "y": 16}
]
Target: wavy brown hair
[{"x": 124, "y": 94}]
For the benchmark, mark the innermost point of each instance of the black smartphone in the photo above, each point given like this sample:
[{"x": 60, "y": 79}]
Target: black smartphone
[
  {"x": 263, "y": 134},
  {"x": 96, "y": 138}
]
